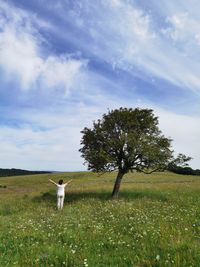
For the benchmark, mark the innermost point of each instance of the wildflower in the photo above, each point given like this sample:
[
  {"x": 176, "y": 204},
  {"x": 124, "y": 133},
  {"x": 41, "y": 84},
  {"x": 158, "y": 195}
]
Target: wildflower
[
  {"x": 158, "y": 257},
  {"x": 144, "y": 233},
  {"x": 85, "y": 263}
]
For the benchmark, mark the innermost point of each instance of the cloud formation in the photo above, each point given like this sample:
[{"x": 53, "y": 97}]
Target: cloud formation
[
  {"x": 21, "y": 55},
  {"x": 64, "y": 64},
  {"x": 127, "y": 36}
]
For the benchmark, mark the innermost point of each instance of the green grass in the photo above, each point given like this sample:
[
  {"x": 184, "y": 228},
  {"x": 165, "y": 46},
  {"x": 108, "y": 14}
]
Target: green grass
[{"x": 155, "y": 221}]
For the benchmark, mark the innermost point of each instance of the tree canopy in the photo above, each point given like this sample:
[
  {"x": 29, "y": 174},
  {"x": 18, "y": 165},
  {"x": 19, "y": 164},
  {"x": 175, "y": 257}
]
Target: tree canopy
[{"x": 126, "y": 140}]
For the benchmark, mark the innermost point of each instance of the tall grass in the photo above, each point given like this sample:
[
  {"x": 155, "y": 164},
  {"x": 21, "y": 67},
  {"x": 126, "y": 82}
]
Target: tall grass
[{"x": 155, "y": 221}]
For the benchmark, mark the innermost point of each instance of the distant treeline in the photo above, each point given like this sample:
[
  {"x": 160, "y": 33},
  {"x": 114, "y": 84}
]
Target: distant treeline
[
  {"x": 184, "y": 170},
  {"x": 15, "y": 172}
]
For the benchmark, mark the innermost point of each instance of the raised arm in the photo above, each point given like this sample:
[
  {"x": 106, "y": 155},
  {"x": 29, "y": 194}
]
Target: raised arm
[
  {"x": 52, "y": 182},
  {"x": 68, "y": 182}
]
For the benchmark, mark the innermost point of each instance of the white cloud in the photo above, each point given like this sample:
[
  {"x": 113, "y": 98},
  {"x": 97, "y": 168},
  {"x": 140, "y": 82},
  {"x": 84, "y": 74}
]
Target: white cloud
[
  {"x": 121, "y": 33},
  {"x": 55, "y": 149},
  {"x": 183, "y": 28},
  {"x": 59, "y": 71},
  {"x": 140, "y": 45},
  {"x": 185, "y": 132},
  {"x": 57, "y": 146},
  {"x": 18, "y": 56},
  {"x": 125, "y": 36},
  {"x": 21, "y": 58}
]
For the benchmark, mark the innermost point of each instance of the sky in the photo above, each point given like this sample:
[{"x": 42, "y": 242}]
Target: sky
[{"x": 64, "y": 63}]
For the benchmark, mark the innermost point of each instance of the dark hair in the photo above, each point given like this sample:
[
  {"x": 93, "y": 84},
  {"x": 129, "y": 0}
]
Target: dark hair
[{"x": 60, "y": 181}]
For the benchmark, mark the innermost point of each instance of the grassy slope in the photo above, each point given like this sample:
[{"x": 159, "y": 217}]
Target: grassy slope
[{"x": 155, "y": 222}]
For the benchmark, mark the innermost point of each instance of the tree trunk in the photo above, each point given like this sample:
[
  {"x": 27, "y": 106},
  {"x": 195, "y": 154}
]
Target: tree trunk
[{"x": 117, "y": 184}]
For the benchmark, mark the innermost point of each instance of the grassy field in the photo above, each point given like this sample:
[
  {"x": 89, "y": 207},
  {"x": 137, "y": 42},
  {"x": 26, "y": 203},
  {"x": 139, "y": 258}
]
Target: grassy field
[{"x": 155, "y": 221}]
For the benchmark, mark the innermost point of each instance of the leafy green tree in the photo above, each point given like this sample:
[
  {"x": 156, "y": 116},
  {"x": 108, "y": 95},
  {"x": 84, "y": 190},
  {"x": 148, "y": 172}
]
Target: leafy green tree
[
  {"x": 180, "y": 161},
  {"x": 180, "y": 165},
  {"x": 126, "y": 140}
]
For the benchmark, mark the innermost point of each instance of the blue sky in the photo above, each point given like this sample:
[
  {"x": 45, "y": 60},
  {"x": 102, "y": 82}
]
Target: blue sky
[{"x": 64, "y": 63}]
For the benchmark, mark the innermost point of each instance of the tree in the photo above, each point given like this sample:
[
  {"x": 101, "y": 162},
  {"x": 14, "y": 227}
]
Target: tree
[
  {"x": 180, "y": 165},
  {"x": 180, "y": 161},
  {"x": 126, "y": 140}
]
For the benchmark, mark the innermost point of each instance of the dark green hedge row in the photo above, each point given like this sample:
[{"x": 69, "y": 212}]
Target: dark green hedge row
[
  {"x": 184, "y": 170},
  {"x": 14, "y": 172}
]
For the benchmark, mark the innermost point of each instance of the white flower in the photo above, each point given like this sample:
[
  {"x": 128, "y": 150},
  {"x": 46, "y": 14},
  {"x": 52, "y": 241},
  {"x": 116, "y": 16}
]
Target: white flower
[
  {"x": 158, "y": 257},
  {"x": 85, "y": 263}
]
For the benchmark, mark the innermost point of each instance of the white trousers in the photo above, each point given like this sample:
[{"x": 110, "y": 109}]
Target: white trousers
[{"x": 60, "y": 201}]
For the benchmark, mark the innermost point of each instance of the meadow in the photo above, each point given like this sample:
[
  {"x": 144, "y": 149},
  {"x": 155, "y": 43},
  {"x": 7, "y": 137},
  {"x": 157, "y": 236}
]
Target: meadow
[{"x": 155, "y": 221}]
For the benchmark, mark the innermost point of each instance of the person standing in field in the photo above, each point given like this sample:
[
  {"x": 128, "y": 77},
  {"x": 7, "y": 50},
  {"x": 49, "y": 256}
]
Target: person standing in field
[{"x": 60, "y": 192}]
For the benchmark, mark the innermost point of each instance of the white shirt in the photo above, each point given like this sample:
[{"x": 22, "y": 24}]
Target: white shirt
[{"x": 60, "y": 190}]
